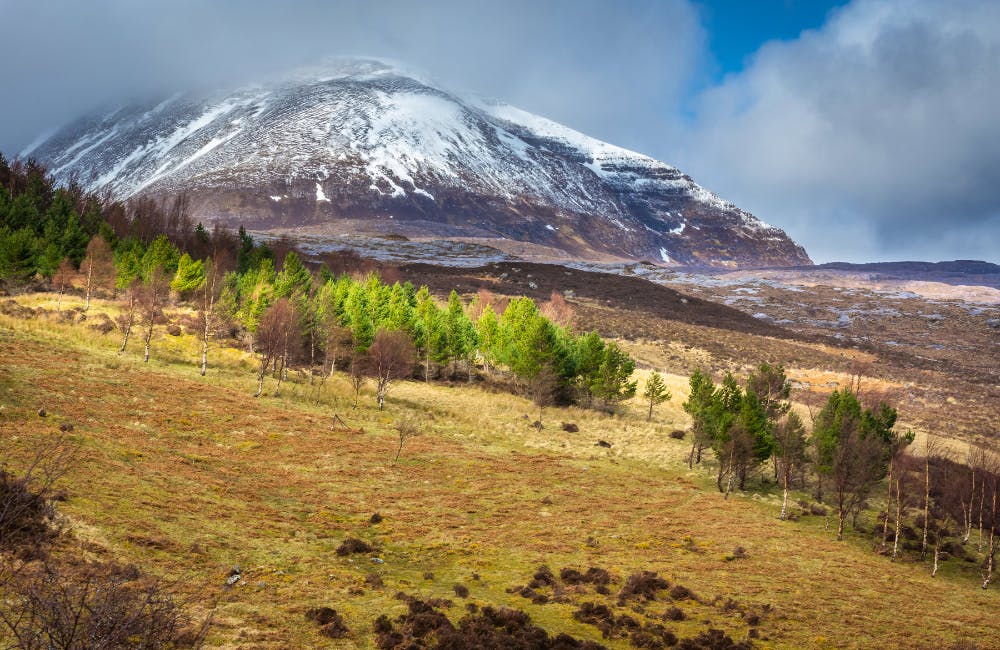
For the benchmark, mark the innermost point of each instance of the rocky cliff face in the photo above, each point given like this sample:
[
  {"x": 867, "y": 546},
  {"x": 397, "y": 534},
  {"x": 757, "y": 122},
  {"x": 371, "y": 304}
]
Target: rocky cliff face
[{"x": 361, "y": 147}]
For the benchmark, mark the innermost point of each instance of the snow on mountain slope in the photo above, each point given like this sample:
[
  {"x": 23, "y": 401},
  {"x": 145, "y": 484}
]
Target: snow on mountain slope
[{"x": 358, "y": 146}]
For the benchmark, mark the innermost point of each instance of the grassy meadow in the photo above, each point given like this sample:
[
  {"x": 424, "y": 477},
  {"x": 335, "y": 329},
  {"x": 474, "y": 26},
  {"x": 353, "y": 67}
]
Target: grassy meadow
[{"x": 189, "y": 476}]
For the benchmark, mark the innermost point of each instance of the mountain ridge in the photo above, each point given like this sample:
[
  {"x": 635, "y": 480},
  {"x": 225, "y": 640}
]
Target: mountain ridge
[{"x": 361, "y": 145}]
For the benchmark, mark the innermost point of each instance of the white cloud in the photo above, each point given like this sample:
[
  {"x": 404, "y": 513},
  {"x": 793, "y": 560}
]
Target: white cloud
[
  {"x": 602, "y": 67},
  {"x": 876, "y": 136}
]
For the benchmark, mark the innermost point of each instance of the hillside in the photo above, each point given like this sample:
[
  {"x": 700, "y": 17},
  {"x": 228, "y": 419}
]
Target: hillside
[
  {"x": 189, "y": 476},
  {"x": 364, "y": 147}
]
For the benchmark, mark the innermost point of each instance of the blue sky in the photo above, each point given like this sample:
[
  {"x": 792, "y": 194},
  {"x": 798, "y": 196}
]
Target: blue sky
[
  {"x": 867, "y": 129},
  {"x": 737, "y": 28}
]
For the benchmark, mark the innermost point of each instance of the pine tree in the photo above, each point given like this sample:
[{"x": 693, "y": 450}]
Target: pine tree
[
  {"x": 128, "y": 262},
  {"x": 487, "y": 336},
  {"x": 459, "y": 333},
  {"x": 699, "y": 407},
  {"x": 18, "y": 255},
  {"x": 293, "y": 279},
  {"x": 400, "y": 314},
  {"x": 161, "y": 256},
  {"x": 611, "y": 385},
  {"x": 655, "y": 393},
  {"x": 359, "y": 317},
  {"x": 853, "y": 448},
  {"x": 190, "y": 275}
]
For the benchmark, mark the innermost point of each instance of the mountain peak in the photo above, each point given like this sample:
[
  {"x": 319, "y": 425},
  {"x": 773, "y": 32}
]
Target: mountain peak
[{"x": 365, "y": 146}]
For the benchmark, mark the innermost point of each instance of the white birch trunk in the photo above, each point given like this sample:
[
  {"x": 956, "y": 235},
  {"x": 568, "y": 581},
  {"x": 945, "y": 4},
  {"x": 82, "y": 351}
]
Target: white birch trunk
[
  {"x": 90, "y": 275},
  {"x": 888, "y": 504},
  {"x": 927, "y": 502},
  {"x": 784, "y": 496},
  {"x": 899, "y": 519}
]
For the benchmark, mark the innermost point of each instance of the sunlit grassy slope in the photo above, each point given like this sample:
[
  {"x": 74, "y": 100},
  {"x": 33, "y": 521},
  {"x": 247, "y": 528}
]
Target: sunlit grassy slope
[{"x": 188, "y": 476}]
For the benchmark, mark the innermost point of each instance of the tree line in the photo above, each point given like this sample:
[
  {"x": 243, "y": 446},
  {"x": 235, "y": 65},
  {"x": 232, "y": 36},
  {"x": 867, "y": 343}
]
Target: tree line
[
  {"x": 934, "y": 503},
  {"x": 319, "y": 316}
]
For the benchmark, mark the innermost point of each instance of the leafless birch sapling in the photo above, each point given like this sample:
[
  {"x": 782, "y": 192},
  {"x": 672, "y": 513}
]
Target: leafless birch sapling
[
  {"x": 62, "y": 280},
  {"x": 390, "y": 357},
  {"x": 152, "y": 295},
  {"x": 98, "y": 268},
  {"x": 126, "y": 320},
  {"x": 271, "y": 336}
]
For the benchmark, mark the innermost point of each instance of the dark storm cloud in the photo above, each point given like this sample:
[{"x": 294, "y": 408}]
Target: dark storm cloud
[
  {"x": 877, "y": 136},
  {"x": 602, "y": 67}
]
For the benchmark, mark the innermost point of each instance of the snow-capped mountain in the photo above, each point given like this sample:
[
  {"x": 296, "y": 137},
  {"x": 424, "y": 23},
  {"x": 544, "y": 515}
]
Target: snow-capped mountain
[{"x": 359, "y": 146}]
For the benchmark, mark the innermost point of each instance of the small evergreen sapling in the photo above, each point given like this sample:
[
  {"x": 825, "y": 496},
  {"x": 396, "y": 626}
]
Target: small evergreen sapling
[{"x": 656, "y": 392}]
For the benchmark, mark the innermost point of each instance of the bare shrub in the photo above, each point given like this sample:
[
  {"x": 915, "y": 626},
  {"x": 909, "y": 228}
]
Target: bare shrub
[
  {"x": 93, "y": 605},
  {"x": 406, "y": 430},
  {"x": 680, "y": 592},
  {"x": 27, "y": 516},
  {"x": 542, "y": 578},
  {"x": 558, "y": 310},
  {"x": 390, "y": 357},
  {"x": 275, "y": 338}
]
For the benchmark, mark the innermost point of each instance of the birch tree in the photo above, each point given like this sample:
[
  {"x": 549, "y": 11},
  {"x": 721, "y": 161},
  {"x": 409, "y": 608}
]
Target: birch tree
[
  {"x": 214, "y": 271},
  {"x": 272, "y": 335},
  {"x": 152, "y": 296},
  {"x": 790, "y": 451},
  {"x": 991, "y": 481},
  {"x": 390, "y": 357},
  {"x": 853, "y": 446},
  {"x": 931, "y": 451},
  {"x": 126, "y": 320},
  {"x": 98, "y": 268},
  {"x": 62, "y": 279}
]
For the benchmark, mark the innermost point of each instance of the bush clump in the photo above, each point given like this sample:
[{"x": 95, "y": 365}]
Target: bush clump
[
  {"x": 713, "y": 639},
  {"x": 425, "y": 627},
  {"x": 594, "y": 576},
  {"x": 542, "y": 578},
  {"x": 352, "y": 545},
  {"x": 646, "y": 635},
  {"x": 673, "y": 613},
  {"x": 330, "y": 623},
  {"x": 642, "y": 585},
  {"x": 680, "y": 592}
]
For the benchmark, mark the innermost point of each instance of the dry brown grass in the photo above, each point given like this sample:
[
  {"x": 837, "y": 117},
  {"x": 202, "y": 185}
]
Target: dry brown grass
[{"x": 189, "y": 476}]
